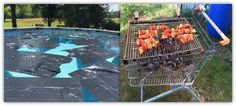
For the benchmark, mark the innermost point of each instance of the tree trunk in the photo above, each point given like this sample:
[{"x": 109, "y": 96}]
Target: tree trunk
[
  {"x": 49, "y": 15},
  {"x": 49, "y": 22},
  {"x": 13, "y": 15}
]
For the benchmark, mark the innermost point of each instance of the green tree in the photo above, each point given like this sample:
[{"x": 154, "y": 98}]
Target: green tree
[
  {"x": 35, "y": 11},
  {"x": 111, "y": 25},
  {"x": 114, "y": 14},
  {"x": 84, "y": 15},
  {"x": 145, "y": 10},
  {"x": 48, "y": 11},
  {"x": 23, "y": 10},
  {"x": 7, "y": 12}
]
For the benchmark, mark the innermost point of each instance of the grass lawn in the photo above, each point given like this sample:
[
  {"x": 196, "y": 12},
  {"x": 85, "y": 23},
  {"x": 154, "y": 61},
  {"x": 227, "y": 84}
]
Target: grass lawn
[
  {"x": 214, "y": 82},
  {"x": 28, "y": 22},
  {"x": 116, "y": 20}
]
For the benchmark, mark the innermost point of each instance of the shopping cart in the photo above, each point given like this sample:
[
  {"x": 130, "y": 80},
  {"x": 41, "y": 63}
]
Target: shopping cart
[{"x": 171, "y": 63}]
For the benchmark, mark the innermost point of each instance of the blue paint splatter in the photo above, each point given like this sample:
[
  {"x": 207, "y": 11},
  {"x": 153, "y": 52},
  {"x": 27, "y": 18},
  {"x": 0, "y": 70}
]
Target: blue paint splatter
[
  {"x": 8, "y": 73},
  {"x": 87, "y": 96},
  {"x": 110, "y": 59},
  {"x": 26, "y": 49},
  {"x": 59, "y": 50},
  {"x": 115, "y": 49},
  {"x": 68, "y": 68},
  {"x": 61, "y": 40},
  {"x": 114, "y": 60},
  {"x": 63, "y": 46}
]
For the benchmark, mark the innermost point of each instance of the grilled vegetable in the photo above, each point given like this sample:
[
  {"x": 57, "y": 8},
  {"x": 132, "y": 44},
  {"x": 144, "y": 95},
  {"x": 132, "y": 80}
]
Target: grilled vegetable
[
  {"x": 155, "y": 43},
  {"x": 148, "y": 43},
  {"x": 142, "y": 32},
  {"x": 181, "y": 31},
  {"x": 162, "y": 27},
  {"x": 184, "y": 38},
  {"x": 153, "y": 33},
  {"x": 174, "y": 32},
  {"x": 151, "y": 39},
  {"x": 138, "y": 41},
  {"x": 187, "y": 31},
  {"x": 166, "y": 34},
  {"x": 185, "y": 26},
  {"x": 145, "y": 36},
  {"x": 141, "y": 51},
  {"x": 153, "y": 27},
  {"x": 147, "y": 39},
  {"x": 143, "y": 45},
  {"x": 194, "y": 31}
]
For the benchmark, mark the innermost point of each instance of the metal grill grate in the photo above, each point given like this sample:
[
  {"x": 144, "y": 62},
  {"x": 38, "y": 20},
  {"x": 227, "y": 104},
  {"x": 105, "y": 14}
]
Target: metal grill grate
[
  {"x": 151, "y": 68},
  {"x": 163, "y": 49}
]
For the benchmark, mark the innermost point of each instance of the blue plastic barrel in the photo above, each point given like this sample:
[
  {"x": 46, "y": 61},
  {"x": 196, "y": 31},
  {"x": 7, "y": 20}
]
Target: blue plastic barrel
[{"x": 221, "y": 14}]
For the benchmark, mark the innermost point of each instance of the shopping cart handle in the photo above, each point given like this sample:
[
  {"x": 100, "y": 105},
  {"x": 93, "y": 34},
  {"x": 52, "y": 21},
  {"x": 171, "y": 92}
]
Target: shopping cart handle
[
  {"x": 201, "y": 9},
  {"x": 225, "y": 41}
]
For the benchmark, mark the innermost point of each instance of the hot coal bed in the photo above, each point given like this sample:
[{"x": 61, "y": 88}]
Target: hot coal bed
[{"x": 61, "y": 64}]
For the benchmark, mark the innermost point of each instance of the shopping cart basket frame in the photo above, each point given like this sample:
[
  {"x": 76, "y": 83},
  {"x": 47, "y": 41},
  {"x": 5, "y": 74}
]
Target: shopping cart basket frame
[{"x": 132, "y": 59}]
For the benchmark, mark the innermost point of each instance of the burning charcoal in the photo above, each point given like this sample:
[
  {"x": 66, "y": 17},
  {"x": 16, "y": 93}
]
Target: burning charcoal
[{"x": 165, "y": 69}]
